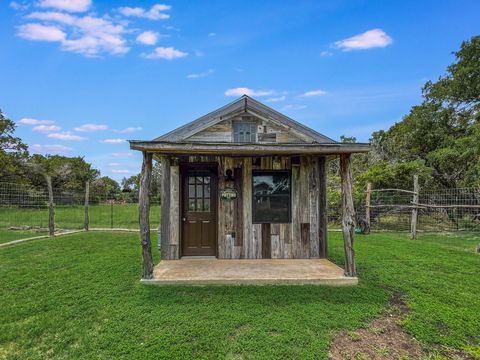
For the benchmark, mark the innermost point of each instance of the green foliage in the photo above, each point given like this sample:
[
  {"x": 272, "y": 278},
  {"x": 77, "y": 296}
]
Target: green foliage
[
  {"x": 439, "y": 139},
  {"x": 12, "y": 150}
]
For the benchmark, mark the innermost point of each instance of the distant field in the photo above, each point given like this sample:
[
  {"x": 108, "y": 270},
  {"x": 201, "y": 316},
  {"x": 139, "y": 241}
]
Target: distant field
[{"x": 123, "y": 216}]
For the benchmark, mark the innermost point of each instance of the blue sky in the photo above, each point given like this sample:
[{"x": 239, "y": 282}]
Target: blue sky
[{"x": 81, "y": 76}]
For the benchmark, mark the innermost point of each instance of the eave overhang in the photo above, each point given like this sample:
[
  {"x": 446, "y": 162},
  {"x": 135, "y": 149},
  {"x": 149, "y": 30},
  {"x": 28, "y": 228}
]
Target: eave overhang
[{"x": 196, "y": 148}]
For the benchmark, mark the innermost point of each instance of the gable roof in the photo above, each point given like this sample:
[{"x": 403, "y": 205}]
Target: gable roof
[{"x": 245, "y": 104}]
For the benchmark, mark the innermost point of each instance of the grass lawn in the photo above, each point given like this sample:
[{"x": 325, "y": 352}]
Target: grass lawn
[
  {"x": 123, "y": 216},
  {"x": 78, "y": 297},
  {"x": 7, "y": 235}
]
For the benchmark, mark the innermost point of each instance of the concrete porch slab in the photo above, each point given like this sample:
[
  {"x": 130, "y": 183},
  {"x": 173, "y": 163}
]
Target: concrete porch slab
[{"x": 249, "y": 272}]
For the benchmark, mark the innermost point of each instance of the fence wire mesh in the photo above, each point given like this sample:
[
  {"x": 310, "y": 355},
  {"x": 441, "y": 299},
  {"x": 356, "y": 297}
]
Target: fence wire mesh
[
  {"x": 455, "y": 209},
  {"x": 24, "y": 211}
]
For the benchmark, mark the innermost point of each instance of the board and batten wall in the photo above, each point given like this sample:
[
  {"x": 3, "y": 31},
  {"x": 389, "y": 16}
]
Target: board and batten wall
[{"x": 238, "y": 238}]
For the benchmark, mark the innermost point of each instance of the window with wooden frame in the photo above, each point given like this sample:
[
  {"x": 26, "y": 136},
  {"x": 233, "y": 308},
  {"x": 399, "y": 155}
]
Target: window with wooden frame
[
  {"x": 244, "y": 132},
  {"x": 271, "y": 201}
]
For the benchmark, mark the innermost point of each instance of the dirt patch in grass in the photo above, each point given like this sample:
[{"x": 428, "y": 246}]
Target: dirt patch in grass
[{"x": 383, "y": 338}]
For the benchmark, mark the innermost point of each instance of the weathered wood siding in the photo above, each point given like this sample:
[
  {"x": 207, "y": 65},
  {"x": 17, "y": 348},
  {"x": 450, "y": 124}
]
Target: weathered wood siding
[
  {"x": 238, "y": 237},
  {"x": 266, "y": 132}
]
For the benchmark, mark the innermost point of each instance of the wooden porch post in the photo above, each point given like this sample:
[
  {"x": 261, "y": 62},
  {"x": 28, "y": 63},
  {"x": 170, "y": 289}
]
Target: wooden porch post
[
  {"x": 144, "y": 215},
  {"x": 348, "y": 214}
]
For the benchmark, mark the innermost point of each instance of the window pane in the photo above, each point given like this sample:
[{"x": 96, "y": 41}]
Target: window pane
[
  {"x": 199, "y": 204},
  {"x": 244, "y": 132},
  {"x": 207, "y": 191},
  {"x": 271, "y": 209},
  {"x": 267, "y": 184},
  {"x": 271, "y": 196},
  {"x": 191, "y": 191},
  {"x": 191, "y": 179},
  {"x": 206, "y": 205},
  {"x": 191, "y": 204},
  {"x": 199, "y": 190}
]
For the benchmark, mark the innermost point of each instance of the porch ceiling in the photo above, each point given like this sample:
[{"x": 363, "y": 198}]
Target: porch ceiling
[{"x": 249, "y": 272}]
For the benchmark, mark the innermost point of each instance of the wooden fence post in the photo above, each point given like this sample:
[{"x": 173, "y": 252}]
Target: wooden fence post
[
  {"x": 87, "y": 194},
  {"x": 144, "y": 215},
  {"x": 51, "y": 207},
  {"x": 413, "y": 223},
  {"x": 348, "y": 214},
  {"x": 368, "y": 199}
]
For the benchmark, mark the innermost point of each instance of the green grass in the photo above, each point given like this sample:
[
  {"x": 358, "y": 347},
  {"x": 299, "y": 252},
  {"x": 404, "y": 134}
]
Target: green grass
[
  {"x": 7, "y": 235},
  {"x": 78, "y": 297},
  {"x": 125, "y": 216}
]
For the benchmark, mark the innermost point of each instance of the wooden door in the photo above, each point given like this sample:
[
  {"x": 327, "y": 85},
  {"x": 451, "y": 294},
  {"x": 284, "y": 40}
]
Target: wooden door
[{"x": 199, "y": 215}]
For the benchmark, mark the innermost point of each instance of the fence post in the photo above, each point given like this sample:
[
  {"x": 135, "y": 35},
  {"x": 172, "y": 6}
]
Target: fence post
[
  {"x": 87, "y": 194},
  {"x": 368, "y": 199},
  {"x": 413, "y": 224},
  {"x": 51, "y": 207}
]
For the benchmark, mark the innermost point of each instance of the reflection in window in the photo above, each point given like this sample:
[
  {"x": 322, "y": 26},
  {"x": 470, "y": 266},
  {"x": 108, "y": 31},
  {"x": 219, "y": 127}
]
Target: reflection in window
[
  {"x": 271, "y": 197},
  {"x": 199, "y": 193}
]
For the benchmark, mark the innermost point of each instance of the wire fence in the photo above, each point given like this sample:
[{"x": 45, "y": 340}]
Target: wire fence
[
  {"x": 24, "y": 211},
  {"x": 455, "y": 209}
]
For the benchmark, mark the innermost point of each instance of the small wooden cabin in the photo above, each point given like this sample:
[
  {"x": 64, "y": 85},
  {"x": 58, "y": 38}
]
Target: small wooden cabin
[{"x": 244, "y": 182}]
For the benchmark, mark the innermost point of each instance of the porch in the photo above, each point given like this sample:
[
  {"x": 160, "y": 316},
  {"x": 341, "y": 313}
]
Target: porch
[{"x": 206, "y": 271}]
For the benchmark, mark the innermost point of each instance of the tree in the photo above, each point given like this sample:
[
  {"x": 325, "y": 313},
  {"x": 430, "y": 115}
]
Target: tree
[
  {"x": 440, "y": 138},
  {"x": 13, "y": 152}
]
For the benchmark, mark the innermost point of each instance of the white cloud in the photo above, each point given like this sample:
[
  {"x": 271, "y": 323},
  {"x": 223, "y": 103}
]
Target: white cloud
[
  {"x": 375, "y": 38},
  {"x": 46, "y": 128},
  {"x": 247, "y": 91},
  {"x": 50, "y": 149},
  {"x": 87, "y": 35},
  {"x": 148, "y": 38},
  {"x": 168, "y": 53},
  {"x": 200, "y": 75},
  {"x": 113, "y": 141},
  {"x": 91, "y": 127},
  {"x": 113, "y": 164},
  {"x": 38, "y": 32},
  {"x": 97, "y": 35},
  {"x": 212, "y": 34},
  {"x": 66, "y": 5},
  {"x": 313, "y": 93},
  {"x": 66, "y": 136},
  {"x": 29, "y": 121},
  {"x": 156, "y": 12},
  {"x": 120, "y": 171},
  {"x": 293, "y": 107},
  {"x": 128, "y": 130},
  {"x": 276, "y": 99},
  {"x": 122, "y": 154},
  {"x": 53, "y": 16},
  {"x": 15, "y": 5},
  {"x": 326, "y": 53}
]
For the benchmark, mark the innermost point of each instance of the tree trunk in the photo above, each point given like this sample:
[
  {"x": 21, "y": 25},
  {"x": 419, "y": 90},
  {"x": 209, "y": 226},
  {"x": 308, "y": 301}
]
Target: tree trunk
[
  {"x": 413, "y": 223},
  {"x": 144, "y": 215},
  {"x": 348, "y": 214},
  {"x": 87, "y": 194},
  {"x": 51, "y": 207}
]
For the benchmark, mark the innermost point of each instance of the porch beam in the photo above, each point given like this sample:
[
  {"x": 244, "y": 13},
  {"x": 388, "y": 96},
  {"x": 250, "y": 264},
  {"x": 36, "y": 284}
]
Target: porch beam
[
  {"x": 348, "y": 214},
  {"x": 164, "y": 147},
  {"x": 144, "y": 215}
]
